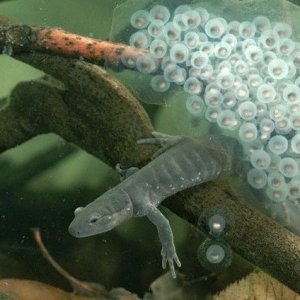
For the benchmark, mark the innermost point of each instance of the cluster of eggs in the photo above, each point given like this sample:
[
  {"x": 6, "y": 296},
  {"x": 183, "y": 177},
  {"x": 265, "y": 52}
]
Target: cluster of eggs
[{"x": 244, "y": 76}]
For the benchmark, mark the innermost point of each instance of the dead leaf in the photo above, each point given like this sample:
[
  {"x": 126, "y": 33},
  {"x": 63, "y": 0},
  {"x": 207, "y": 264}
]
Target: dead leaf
[{"x": 257, "y": 285}]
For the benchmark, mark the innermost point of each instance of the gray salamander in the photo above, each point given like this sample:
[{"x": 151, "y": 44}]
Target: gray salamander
[{"x": 180, "y": 163}]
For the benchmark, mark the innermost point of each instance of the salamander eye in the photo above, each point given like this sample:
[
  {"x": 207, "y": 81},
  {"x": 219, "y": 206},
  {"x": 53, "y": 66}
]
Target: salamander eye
[{"x": 94, "y": 218}]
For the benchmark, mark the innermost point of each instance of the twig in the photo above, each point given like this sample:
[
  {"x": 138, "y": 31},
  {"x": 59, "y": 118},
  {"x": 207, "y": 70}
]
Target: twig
[{"x": 91, "y": 290}]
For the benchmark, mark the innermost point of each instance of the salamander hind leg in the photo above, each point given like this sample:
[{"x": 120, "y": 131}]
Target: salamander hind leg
[{"x": 164, "y": 140}]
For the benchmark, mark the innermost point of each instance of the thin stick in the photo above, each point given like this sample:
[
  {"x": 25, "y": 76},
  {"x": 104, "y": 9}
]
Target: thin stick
[{"x": 74, "y": 281}]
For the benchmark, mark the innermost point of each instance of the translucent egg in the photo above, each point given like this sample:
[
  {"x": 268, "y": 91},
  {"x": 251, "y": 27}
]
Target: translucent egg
[
  {"x": 202, "y": 38},
  {"x": 296, "y": 59},
  {"x": 294, "y": 107},
  {"x": 253, "y": 71},
  {"x": 216, "y": 224},
  {"x": 247, "y": 30},
  {"x": 270, "y": 80},
  {"x": 179, "y": 53},
  {"x": 268, "y": 56},
  {"x": 224, "y": 67},
  {"x": 225, "y": 81},
  {"x": 234, "y": 58},
  {"x": 257, "y": 178},
  {"x": 266, "y": 126},
  {"x": 158, "y": 48},
  {"x": 275, "y": 159},
  {"x": 295, "y": 121},
  {"x": 155, "y": 29},
  {"x": 167, "y": 62},
  {"x": 278, "y": 68},
  {"x": 195, "y": 105},
  {"x": 182, "y": 9},
  {"x": 283, "y": 126},
  {"x": 254, "y": 81},
  {"x": 233, "y": 27},
  {"x": 203, "y": 13},
  {"x": 278, "y": 112},
  {"x": 178, "y": 21},
  {"x": 222, "y": 50},
  {"x": 247, "y": 110},
  {"x": 288, "y": 167},
  {"x": 215, "y": 254},
  {"x": 283, "y": 30},
  {"x": 294, "y": 189},
  {"x": 215, "y": 28},
  {"x": 199, "y": 59},
  {"x": 278, "y": 195},
  {"x": 211, "y": 113},
  {"x": 286, "y": 46},
  {"x": 227, "y": 119},
  {"x": 241, "y": 92},
  {"x": 262, "y": 23},
  {"x": 213, "y": 99},
  {"x": 207, "y": 48},
  {"x": 193, "y": 86},
  {"x": 128, "y": 60},
  {"x": 171, "y": 31},
  {"x": 139, "y": 40},
  {"x": 253, "y": 54},
  {"x": 175, "y": 74},
  {"x": 160, "y": 12},
  {"x": 159, "y": 83},
  {"x": 276, "y": 180},
  {"x": 248, "y": 132},
  {"x": 191, "y": 39},
  {"x": 266, "y": 93},
  {"x": 291, "y": 93},
  {"x": 241, "y": 67},
  {"x": 194, "y": 72},
  {"x": 140, "y": 19},
  {"x": 146, "y": 64},
  {"x": 292, "y": 70},
  {"x": 297, "y": 82},
  {"x": 229, "y": 100},
  {"x": 260, "y": 159},
  {"x": 295, "y": 143},
  {"x": 269, "y": 39},
  {"x": 206, "y": 72},
  {"x": 262, "y": 109},
  {"x": 191, "y": 19},
  {"x": 278, "y": 144},
  {"x": 230, "y": 39}
]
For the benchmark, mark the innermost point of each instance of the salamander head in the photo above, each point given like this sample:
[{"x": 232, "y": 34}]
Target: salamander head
[{"x": 103, "y": 214}]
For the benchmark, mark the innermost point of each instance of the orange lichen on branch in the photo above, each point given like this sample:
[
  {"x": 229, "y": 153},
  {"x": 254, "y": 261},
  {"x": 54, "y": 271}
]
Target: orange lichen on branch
[
  {"x": 24, "y": 38},
  {"x": 59, "y": 41}
]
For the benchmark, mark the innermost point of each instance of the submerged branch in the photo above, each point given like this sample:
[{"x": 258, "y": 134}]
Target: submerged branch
[{"x": 98, "y": 114}]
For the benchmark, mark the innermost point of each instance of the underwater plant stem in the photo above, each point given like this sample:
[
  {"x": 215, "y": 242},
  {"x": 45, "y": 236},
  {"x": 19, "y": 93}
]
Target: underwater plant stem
[
  {"x": 73, "y": 281},
  {"x": 24, "y": 38}
]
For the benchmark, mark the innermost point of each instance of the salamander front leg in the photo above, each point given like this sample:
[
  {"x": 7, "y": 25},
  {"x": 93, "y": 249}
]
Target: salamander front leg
[
  {"x": 164, "y": 140},
  {"x": 165, "y": 234}
]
